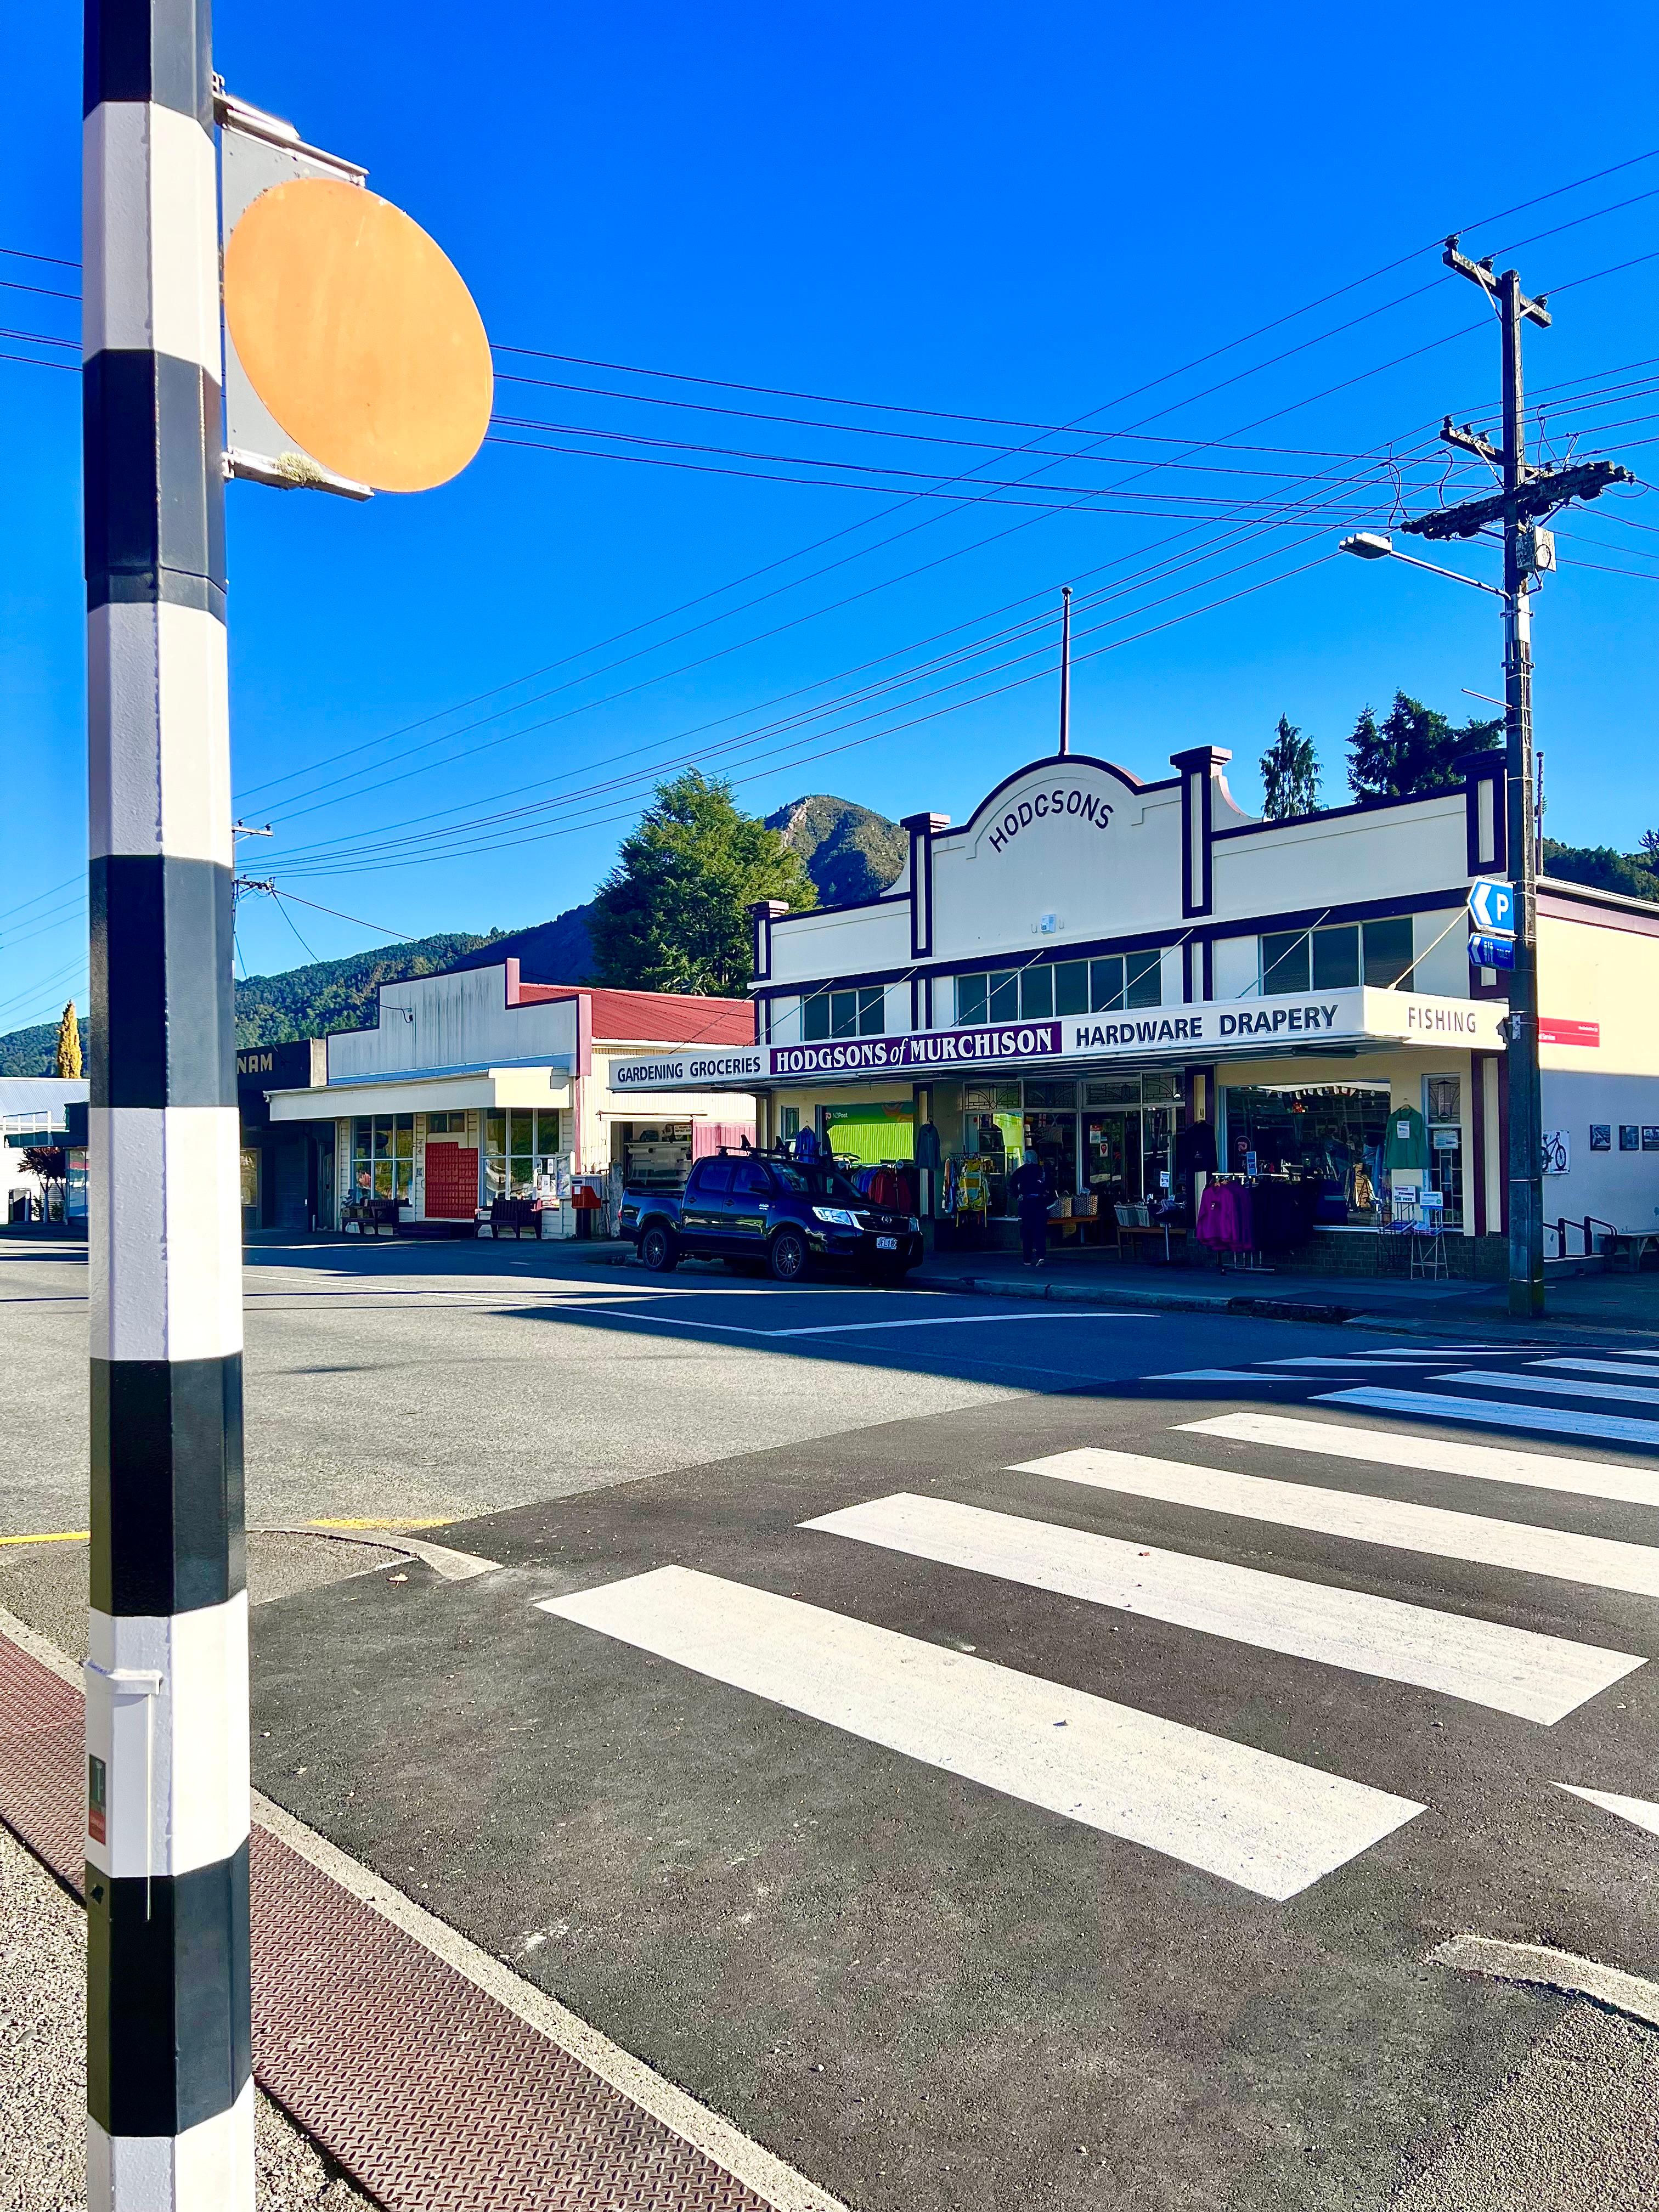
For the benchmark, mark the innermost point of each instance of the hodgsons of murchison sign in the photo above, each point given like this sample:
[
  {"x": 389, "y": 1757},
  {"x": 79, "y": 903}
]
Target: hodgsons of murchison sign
[{"x": 1214, "y": 1028}]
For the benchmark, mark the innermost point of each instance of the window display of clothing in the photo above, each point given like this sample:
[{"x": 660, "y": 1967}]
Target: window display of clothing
[{"x": 1407, "y": 1144}]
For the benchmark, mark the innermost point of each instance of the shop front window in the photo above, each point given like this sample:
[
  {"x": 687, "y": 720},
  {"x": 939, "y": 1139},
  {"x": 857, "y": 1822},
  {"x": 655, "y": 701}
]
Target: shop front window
[
  {"x": 1443, "y": 1099},
  {"x": 383, "y": 1156},
  {"x": 1332, "y": 1133},
  {"x": 843, "y": 1014},
  {"x": 873, "y": 1134},
  {"x": 521, "y": 1149}
]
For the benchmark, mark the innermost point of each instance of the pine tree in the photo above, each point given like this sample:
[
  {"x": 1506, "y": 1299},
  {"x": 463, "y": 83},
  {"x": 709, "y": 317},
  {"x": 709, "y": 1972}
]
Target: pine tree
[
  {"x": 69, "y": 1042},
  {"x": 1414, "y": 750},
  {"x": 1290, "y": 774},
  {"x": 673, "y": 914}
]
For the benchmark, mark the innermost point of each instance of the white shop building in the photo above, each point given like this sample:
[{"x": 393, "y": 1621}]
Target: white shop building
[
  {"x": 1138, "y": 979},
  {"x": 476, "y": 1087}
]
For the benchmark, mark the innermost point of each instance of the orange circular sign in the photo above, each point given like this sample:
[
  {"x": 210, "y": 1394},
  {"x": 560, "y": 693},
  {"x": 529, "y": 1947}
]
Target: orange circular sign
[{"x": 358, "y": 335}]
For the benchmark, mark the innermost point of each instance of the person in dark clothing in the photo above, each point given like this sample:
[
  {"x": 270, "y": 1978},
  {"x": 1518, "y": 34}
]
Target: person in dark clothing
[{"x": 1031, "y": 1190}]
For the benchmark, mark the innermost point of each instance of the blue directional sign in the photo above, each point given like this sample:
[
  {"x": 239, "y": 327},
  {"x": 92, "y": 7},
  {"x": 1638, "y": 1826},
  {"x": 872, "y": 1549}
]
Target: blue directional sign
[
  {"x": 1491, "y": 909},
  {"x": 1492, "y": 951}
]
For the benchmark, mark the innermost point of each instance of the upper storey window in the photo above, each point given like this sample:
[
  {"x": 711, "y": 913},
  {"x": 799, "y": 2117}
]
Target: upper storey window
[
  {"x": 1377, "y": 953},
  {"x": 1060, "y": 987},
  {"x": 843, "y": 1014}
]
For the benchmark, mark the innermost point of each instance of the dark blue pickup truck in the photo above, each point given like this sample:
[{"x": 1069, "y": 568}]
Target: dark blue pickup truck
[{"x": 763, "y": 1210}]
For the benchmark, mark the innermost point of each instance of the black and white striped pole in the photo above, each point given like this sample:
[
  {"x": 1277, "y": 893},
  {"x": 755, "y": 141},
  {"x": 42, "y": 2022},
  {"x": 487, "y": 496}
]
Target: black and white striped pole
[{"x": 169, "y": 2089}]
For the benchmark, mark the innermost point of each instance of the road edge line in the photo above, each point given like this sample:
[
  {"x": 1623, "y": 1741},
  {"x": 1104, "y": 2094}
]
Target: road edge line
[{"x": 1564, "y": 1972}]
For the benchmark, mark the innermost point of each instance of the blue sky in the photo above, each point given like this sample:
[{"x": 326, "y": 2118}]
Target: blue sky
[{"x": 1023, "y": 217}]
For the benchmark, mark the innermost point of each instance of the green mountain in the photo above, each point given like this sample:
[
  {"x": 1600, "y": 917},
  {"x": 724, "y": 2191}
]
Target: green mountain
[{"x": 850, "y": 852}]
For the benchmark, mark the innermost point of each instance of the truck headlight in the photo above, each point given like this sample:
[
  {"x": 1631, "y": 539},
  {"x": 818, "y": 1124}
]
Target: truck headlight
[{"x": 838, "y": 1217}]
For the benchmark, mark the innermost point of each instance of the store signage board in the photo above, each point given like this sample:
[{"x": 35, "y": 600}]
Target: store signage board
[
  {"x": 1209, "y": 1029},
  {"x": 1492, "y": 907},
  {"x": 1492, "y": 951}
]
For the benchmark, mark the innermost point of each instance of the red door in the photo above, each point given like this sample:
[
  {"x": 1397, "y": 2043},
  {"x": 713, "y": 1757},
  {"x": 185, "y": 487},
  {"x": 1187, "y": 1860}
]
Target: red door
[{"x": 452, "y": 1181}]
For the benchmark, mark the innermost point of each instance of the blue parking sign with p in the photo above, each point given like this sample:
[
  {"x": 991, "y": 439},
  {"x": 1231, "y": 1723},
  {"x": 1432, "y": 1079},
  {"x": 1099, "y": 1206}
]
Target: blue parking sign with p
[{"x": 1492, "y": 907}]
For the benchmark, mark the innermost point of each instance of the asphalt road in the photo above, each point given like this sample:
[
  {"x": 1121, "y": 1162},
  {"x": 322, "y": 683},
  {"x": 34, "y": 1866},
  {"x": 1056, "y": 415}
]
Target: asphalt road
[
  {"x": 419, "y": 1381},
  {"x": 893, "y": 1720}
]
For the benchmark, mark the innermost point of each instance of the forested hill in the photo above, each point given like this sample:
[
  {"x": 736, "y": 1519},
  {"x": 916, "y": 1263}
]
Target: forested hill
[
  {"x": 326, "y": 995},
  {"x": 850, "y": 852}
]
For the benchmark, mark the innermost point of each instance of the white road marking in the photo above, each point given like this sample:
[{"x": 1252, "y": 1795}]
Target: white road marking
[
  {"x": 1601, "y": 1562},
  {"x": 1266, "y": 1823},
  {"x": 1557, "y": 1421},
  {"x": 1513, "y": 1670},
  {"x": 1365, "y": 1359},
  {"x": 1596, "y": 1366},
  {"x": 1637, "y": 1810},
  {"x": 1217, "y": 1375},
  {"x": 1552, "y": 1970},
  {"x": 880, "y": 1321},
  {"x": 1578, "y": 1478},
  {"x": 1553, "y": 1386}
]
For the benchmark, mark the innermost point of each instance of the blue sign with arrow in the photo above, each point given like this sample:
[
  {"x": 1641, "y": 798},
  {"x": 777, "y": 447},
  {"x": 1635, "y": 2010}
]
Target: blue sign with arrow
[
  {"x": 1492, "y": 951},
  {"x": 1492, "y": 909}
]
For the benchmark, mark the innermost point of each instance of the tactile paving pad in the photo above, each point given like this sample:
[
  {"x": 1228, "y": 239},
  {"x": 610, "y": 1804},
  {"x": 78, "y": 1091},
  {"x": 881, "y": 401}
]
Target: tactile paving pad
[{"x": 426, "y": 2089}]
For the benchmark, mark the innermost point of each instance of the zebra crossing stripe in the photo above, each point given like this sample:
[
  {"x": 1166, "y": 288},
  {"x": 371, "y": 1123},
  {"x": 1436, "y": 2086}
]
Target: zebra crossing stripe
[
  {"x": 1578, "y": 1478},
  {"x": 1637, "y": 1810},
  {"x": 1600, "y": 1562},
  {"x": 1219, "y": 1375},
  {"x": 1497, "y": 1413},
  {"x": 1628, "y": 1394},
  {"x": 1267, "y": 1824},
  {"x": 1512, "y": 1670},
  {"x": 1597, "y": 1366}
]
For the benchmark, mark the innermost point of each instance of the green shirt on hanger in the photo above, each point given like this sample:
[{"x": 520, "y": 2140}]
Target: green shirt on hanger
[{"x": 1407, "y": 1142}]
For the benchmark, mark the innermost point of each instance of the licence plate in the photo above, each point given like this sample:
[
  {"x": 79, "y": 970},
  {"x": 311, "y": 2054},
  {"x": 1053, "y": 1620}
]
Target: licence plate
[{"x": 887, "y": 1243}]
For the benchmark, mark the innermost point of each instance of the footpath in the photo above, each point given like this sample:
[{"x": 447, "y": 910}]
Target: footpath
[{"x": 1610, "y": 1306}]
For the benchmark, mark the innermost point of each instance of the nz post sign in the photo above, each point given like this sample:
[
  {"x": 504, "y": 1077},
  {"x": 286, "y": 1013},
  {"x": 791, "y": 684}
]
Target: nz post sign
[{"x": 1171, "y": 1035}]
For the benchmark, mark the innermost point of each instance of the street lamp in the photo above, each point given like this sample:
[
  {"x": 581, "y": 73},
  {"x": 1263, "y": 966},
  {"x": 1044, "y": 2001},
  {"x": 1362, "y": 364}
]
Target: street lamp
[{"x": 1372, "y": 545}]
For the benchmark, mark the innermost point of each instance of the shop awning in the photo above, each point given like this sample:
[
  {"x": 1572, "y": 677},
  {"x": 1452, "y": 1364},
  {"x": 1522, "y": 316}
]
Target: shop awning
[{"x": 448, "y": 1089}]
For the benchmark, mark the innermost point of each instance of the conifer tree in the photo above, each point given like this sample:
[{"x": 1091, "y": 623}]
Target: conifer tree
[
  {"x": 1290, "y": 774},
  {"x": 673, "y": 913},
  {"x": 1413, "y": 749},
  {"x": 69, "y": 1042}
]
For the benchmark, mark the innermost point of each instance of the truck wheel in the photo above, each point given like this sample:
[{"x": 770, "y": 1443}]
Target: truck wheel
[
  {"x": 658, "y": 1250},
  {"x": 786, "y": 1256}
]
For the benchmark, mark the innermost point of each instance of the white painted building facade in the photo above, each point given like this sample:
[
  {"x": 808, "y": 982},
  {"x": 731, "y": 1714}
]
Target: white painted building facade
[
  {"x": 1097, "y": 966},
  {"x": 475, "y": 1086}
]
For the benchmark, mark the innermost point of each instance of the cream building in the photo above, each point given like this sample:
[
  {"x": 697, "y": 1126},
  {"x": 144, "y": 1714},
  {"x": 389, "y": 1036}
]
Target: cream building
[{"x": 1122, "y": 974}]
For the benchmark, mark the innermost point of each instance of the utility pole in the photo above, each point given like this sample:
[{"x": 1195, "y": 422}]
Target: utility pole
[
  {"x": 1527, "y": 494},
  {"x": 169, "y": 2089}
]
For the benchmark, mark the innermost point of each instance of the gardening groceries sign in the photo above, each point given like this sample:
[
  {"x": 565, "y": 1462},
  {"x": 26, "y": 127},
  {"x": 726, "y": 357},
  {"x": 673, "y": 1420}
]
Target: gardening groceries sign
[{"x": 1210, "y": 1029}]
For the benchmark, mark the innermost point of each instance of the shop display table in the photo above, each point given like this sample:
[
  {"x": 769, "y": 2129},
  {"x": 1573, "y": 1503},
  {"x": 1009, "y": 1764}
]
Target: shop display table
[{"x": 379, "y": 1214}]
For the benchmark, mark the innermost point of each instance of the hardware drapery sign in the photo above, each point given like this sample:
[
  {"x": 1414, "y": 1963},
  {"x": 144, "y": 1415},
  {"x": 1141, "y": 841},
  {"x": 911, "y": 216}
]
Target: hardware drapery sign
[{"x": 1212, "y": 1029}]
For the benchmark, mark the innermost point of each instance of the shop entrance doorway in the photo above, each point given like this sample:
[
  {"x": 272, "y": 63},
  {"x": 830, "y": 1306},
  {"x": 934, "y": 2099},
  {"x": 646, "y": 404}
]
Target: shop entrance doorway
[
  {"x": 452, "y": 1180},
  {"x": 1052, "y": 1138},
  {"x": 1112, "y": 1156}
]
